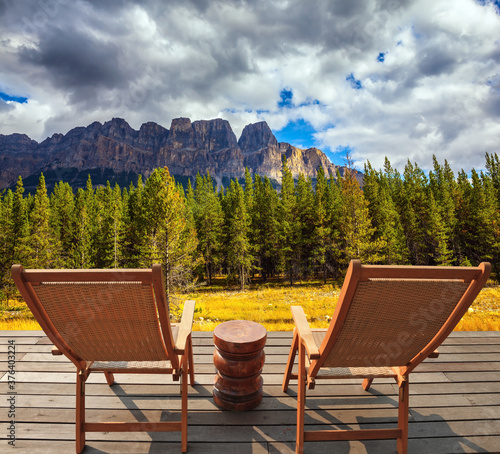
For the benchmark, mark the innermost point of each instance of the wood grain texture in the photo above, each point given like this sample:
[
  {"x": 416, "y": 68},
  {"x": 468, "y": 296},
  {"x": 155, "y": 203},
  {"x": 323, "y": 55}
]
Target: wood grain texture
[{"x": 239, "y": 358}]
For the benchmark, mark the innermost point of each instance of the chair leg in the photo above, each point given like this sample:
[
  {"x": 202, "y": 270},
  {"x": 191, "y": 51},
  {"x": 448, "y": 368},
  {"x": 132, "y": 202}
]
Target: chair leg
[
  {"x": 110, "y": 378},
  {"x": 301, "y": 400},
  {"x": 367, "y": 382},
  {"x": 184, "y": 403},
  {"x": 291, "y": 359},
  {"x": 403, "y": 411},
  {"x": 190, "y": 360},
  {"x": 80, "y": 411}
]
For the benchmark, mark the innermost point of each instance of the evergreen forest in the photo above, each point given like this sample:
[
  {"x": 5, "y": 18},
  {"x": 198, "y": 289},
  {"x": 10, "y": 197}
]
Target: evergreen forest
[{"x": 250, "y": 229}]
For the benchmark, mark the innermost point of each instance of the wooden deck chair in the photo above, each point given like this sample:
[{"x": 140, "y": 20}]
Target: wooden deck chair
[
  {"x": 112, "y": 321},
  {"x": 388, "y": 319}
]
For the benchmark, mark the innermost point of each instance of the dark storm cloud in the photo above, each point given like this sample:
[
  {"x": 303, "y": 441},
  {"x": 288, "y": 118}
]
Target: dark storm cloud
[
  {"x": 320, "y": 23},
  {"x": 495, "y": 54},
  {"x": 492, "y": 105},
  {"x": 110, "y": 5},
  {"x": 84, "y": 48},
  {"x": 436, "y": 61},
  {"x": 74, "y": 59},
  {"x": 347, "y": 9}
]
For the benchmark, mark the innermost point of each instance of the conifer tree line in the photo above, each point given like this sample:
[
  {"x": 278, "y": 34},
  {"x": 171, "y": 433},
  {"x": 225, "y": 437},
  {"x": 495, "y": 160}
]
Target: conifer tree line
[{"x": 245, "y": 230}]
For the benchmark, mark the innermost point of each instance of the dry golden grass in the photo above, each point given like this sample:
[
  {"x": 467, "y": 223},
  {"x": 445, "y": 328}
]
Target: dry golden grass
[
  {"x": 267, "y": 305},
  {"x": 484, "y": 314},
  {"x": 15, "y": 315},
  {"x": 270, "y": 306},
  {"x": 19, "y": 324}
]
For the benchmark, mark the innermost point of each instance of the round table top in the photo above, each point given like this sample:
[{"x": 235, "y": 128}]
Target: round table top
[{"x": 240, "y": 336}]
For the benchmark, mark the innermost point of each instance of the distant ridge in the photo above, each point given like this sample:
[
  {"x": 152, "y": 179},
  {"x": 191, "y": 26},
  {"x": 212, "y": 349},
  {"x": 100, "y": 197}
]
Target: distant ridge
[{"x": 115, "y": 152}]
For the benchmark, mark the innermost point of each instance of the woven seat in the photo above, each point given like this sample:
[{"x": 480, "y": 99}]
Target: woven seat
[
  {"x": 112, "y": 321},
  {"x": 129, "y": 366},
  {"x": 388, "y": 319}
]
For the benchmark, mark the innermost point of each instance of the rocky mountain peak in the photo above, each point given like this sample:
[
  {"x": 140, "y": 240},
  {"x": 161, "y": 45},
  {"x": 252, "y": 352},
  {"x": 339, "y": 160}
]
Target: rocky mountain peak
[
  {"x": 257, "y": 136},
  {"x": 119, "y": 129},
  {"x": 151, "y": 136},
  {"x": 181, "y": 134},
  {"x": 208, "y": 135},
  {"x": 214, "y": 135},
  {"x": 14, "y": 143}
]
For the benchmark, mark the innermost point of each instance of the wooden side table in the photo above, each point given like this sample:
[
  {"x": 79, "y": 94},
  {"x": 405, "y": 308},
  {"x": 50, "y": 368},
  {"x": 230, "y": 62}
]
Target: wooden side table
[{"x": 239, "y": 358}]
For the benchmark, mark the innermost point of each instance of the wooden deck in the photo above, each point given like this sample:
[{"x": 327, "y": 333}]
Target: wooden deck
[{"x": 454, "y": 401}]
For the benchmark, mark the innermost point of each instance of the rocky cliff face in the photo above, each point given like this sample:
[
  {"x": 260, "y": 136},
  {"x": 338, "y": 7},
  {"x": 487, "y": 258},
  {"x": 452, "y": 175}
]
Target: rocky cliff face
[
  {"x": 186, "y": 149},
  {"x": 255, "y": 137},
  {"x": 19, "y": 155},
  {"x": 263, "y": 154}
]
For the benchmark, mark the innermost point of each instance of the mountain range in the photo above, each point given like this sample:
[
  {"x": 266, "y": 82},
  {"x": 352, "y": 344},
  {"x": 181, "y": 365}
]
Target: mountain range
[{"x": 116, "y": 152}]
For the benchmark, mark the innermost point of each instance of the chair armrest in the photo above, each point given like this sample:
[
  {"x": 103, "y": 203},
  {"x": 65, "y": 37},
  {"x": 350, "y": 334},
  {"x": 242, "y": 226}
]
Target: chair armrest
[
  {"x": 185, "y": 327},
  {"x": 434, "y": 354},
  {"x": 55, "y": 351},
  {"x": 304, "y": 331}
]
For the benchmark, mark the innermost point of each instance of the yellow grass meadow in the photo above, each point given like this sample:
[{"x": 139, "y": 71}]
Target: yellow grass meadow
[{"x": 270, "y": 304}]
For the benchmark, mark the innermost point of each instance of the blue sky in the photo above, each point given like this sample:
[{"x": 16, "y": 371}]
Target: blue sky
[
  {"x": 300, "y": 133},
  {"x": 9, "y": 98},
  {"x": 396, "y": 78}
]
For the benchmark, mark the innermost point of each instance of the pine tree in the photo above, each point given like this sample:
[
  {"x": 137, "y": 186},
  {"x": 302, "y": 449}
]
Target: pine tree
[
  {"x": 237, "y": 227},
  {"x": 334, "y": 208},
  {"x": 305, "y": 225},
  {"x": 452, "y": 186},
  {"x": 478, "y": 220},
  {"x": 355, "y": 223},
  {"x": 190, "y": 200},
  {"x": 81, "y": 252},
  {"x": 125, "y": 225},
  {"x": 208, "y": 218},
  {"x": 322, "y": 230},
  {"x": 188, "y": 237},
  {"x": 288, "y": 223},
  {"x": 108, "y": 240},
  {"x": 265, "y": 226},
  {"x": 384, "y": 215},
  {"x": 6, "y": 230},
  {"x": 491, "y": 217},
  {"x": 62, "y": 206},
  {"x": 135, "y": 221},
  {"x": 169, "y": 240},
  {"x": 19, "y": 234},
  {"x": 442, "y": 212},
  {"x": 101, "y": 235},
  {"x": 249, "y": 190},
  {"x": 116, "y": 212},
  {"x": 414, "y": 214},
  {"x": 439, "y": 234},
  {"x": 41, "y": 246},
  {"x": 493, "y": 168},
  {"x": 92, "y": 204},
  {"x": 249, "y": 196}
]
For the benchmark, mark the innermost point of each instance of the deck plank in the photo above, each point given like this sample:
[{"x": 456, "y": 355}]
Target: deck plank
[{"x": 454, "y": 403}]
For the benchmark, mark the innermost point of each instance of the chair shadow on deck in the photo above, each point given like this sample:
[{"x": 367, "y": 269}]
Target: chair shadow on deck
[
  {"x": 316, "y": 416},
  {"x": 159, "y": 440},
  {"x": 454, "y": 443},
  {"x": 139, "y": 415}
]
